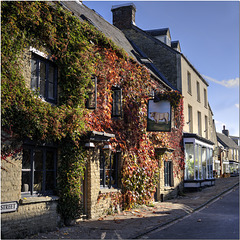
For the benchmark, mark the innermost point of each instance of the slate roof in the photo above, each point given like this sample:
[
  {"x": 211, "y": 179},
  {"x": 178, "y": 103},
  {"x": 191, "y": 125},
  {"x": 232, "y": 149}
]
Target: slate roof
[
  {"x": 155, "y": 40},
  {"x": 174, "y": 44},
  {"x": 86, "y": 14},
  {"x": 115, "y": 34},
  {"x": 226, "y": 141},
  {"x": 141, "y": 57},
  {"x": 158, "y": 32}
]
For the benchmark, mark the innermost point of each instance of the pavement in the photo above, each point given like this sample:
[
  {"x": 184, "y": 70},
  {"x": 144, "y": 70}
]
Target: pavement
[{"x": 144, "y": 219}]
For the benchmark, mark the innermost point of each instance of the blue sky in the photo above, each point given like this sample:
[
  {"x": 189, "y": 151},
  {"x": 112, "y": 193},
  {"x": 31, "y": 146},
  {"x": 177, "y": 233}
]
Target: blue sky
[{"x": 209, "y": 37}]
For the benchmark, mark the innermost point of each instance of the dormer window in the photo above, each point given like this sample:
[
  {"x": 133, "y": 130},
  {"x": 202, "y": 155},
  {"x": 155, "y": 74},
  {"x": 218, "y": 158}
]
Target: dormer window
[
  {"x": 44, "y": 78},
  {"x": 91, "y": 102},
  {"x": 117, "y": 102}
]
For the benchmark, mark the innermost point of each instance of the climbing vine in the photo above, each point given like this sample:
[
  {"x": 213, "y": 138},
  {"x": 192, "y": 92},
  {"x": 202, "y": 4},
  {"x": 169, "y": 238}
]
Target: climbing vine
[{"x": 79, "y": 50}]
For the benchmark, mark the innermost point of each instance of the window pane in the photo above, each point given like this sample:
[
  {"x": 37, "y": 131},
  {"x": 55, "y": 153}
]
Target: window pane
[
  {"x": 107, "y": 171},
  {"x": 204, "y": 170},
  {"x": 200, "y": 161},
  {"x": 51, "y": 74},
  {"x": 189, "y": 167},
  {"x": 196, "y": 162},
  {"x": 101, "y": 177},
  {"x": 38, "y": 160},
  {"x": 114, "y": 170},
  {"x": 117, "y": 102},
  {"x": 49, "y": 180},
  {"x": 42, "y": 78},
  {"x": 34, "y": 83},
  {"x": 51, "y": 91},
  {"x": 167, "y": 173},
  {"x": 51, "y": 82},
  {"x": 38, "y": 179},
  {"x": 189, "y": 82},
  {"x": 102, "y": 180},
  {"x": 50, "y": 160},
  {"x": 26, "y": 181},
  {"x": 26, "y": 161}
]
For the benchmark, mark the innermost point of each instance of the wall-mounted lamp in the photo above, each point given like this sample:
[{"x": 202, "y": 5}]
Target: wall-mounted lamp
[
  {"x": 89, "y": 145},
  {"x": 107, "y": 146},
  {"x": 152, "y": 94}
]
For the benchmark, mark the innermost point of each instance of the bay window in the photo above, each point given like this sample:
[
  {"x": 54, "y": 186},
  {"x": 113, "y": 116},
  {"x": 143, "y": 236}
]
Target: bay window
[{"x": 198, "y": 160}]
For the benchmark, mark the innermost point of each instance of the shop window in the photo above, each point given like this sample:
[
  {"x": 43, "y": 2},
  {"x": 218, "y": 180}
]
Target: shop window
[
  {"x": 109, "y": 170},
  {"x": 44, "y": 78},
  {"x": 168, "y": 173},
  {"x": 38, "y": 170},
  {"x": 91, "y": 102},
  {"x": 117, "y": 102},
  {"x": 189, "y": 162}
]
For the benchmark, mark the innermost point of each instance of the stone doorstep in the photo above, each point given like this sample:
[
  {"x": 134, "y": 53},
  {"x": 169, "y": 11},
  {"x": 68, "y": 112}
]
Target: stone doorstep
[{"x": 30, "y": 200}]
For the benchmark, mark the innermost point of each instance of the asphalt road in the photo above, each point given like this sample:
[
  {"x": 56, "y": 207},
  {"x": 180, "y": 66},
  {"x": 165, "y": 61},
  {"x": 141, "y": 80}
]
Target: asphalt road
[{"x": 218, "y": 220}]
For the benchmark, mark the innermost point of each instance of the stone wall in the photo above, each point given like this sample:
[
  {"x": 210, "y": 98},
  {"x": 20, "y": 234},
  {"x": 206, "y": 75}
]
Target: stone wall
[
  {"x": 169, "y": 192},
  {"x": 30, "y": 218},
  {"x": 11, "y": 178},
  {"x": 99, "y": 200}
]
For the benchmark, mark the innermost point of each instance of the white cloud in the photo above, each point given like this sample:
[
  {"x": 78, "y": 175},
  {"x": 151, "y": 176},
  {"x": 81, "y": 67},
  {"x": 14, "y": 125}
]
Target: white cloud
[
  {"x": 226, "y": 83},
  {"x": 237, "y": 105}
]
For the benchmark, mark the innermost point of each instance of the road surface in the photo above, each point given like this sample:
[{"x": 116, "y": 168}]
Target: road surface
[{"x": 218, "y": 220}]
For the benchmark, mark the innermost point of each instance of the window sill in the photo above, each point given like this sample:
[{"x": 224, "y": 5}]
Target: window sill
[
  {"x": 30, "y": 200},
  {"x": 167, "y": 188},
  {"x": 111, "y": 190}
]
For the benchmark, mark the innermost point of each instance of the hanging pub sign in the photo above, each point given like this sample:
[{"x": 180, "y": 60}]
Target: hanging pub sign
[{"x": 159, "y": 116}]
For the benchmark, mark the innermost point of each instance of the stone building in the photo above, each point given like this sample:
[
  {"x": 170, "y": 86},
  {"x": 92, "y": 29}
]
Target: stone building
[
  {"x": 228, "y": 153},
  {"x": 29, "y": 196},
  {"x": 167, "y": 57},
  {"x": 165, "y": 189}
]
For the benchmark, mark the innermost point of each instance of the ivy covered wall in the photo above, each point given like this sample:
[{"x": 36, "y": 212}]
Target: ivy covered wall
[{"x": 79, "y": 51}]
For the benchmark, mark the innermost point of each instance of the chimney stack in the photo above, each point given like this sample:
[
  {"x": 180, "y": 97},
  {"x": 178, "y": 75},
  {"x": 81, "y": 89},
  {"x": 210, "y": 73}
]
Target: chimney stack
[
  {"x": 225, "y": 131},
  {"x": 124, "y": 15}
]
